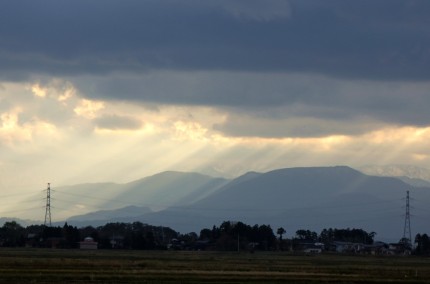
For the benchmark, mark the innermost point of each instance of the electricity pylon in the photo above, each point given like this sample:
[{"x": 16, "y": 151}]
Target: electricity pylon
[
  {"x": 48, "y": 206},
  {"x": 407, "y": 236}
]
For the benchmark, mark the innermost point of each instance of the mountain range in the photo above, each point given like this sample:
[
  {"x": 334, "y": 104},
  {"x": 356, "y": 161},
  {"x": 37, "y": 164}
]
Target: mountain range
[{"x": 293, "y": 198}]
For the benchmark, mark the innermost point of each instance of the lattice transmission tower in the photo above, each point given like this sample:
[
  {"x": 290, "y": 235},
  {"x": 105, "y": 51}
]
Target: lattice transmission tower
[
  {"x": 407, "y": 236},
  {"x": 48, "y": 206}
]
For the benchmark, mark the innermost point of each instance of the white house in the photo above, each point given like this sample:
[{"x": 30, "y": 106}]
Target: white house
[{"x": 88, "y": 243}]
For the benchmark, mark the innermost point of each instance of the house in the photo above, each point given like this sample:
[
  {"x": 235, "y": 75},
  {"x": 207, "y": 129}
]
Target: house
[
  {"x": 400, "y": 248},
  {"x": 88, "y": 243},
  {"x": 53, "y": 242},
  {"x": 313, "y": 250},
  {"x": 32, "y": 240},
  {"x": 377, "y": 248},
  {"x": 175, "y": 244},
  {"x": 348, "y": 247},
  {"x": 310, "y": 247},
  {"x": 117, "y": 242}
]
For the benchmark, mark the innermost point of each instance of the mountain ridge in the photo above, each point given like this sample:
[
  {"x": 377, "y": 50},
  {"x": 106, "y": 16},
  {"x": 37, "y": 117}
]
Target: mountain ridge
[
  {"x": 294, "y": 198},
  {"x": 305, "y": 197}
]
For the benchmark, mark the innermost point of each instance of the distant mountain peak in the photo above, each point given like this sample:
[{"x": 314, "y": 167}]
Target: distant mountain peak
[
  {"x": 173, "y": 174},
  {"x": 318, "y": 170},
  {"x": 409, "y": 171}
]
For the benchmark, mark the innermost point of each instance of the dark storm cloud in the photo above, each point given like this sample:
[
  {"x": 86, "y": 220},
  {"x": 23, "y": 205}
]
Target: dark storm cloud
[
  {"x": 344, "y": 62},
  {"x": 274, "y": 95},
  {"x": 387, "y": 40}
]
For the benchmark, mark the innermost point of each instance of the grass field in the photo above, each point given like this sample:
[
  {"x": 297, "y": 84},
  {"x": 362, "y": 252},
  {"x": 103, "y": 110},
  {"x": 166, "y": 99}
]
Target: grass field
[{"x": 74, "y": 266}]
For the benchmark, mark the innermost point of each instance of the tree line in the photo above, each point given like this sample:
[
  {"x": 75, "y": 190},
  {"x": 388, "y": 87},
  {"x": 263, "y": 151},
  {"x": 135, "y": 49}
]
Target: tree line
[
  {"x": 112, "y": 235},
  {"x": 229, "y": 236}
]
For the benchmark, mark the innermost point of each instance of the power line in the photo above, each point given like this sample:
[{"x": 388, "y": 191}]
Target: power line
[{"x": 383, "y": 212}]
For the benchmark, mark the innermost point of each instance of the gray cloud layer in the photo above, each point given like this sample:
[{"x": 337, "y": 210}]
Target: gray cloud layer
[
  {"x": 274, "y": 95},
  {"x": 357, "y": 39},
  {"x": 279, "y": 67}
]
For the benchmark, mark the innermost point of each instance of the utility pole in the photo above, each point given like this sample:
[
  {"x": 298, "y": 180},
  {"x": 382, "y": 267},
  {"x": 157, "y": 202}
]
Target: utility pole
[
  {"x": 48, "y": 206},
  {"x": 407, "y": 228}
]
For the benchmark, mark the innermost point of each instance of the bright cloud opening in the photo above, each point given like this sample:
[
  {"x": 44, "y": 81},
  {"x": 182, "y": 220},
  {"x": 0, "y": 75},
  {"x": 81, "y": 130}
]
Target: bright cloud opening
[
  {"x": 88, "y": 109},
  {"x": 38, "y": 91}
]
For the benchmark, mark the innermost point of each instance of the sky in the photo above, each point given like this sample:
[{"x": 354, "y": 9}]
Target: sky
[{"x": 104, "y": 90}]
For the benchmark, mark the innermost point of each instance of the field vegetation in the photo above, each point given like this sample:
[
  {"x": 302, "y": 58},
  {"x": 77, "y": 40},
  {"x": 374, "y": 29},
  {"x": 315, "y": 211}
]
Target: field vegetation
[{"x": 19, "y": 265}]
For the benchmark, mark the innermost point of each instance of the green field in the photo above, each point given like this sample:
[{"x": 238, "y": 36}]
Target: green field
[{"x": 74, "y": 266}]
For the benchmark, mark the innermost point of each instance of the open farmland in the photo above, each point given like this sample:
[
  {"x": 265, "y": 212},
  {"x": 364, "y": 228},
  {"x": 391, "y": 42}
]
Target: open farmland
[{"x": 73, "y": 266}]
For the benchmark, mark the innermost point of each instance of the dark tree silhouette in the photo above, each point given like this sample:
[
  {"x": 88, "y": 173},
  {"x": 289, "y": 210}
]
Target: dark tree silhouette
[
  {"x": 422, "y": 244},
  {"x": 280, "y": 232}
]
